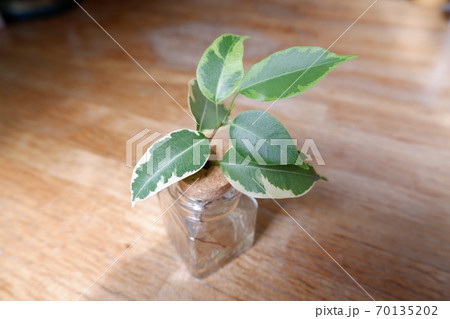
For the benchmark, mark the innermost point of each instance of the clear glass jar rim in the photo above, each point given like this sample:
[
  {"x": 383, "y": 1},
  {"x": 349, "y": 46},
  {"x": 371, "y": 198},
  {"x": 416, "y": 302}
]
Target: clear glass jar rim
[{"x": 201, "y": 209}]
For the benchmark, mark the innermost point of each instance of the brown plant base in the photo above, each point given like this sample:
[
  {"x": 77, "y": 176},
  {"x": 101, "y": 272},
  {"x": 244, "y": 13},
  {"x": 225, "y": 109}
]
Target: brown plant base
[{"x": 206, "y": 184}]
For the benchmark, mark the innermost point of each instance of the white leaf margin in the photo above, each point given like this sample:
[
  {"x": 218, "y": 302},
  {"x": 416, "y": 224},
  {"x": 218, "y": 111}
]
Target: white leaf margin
[
  {"x": 160, "y": 185},
  {"x": 272, "y": 191}
]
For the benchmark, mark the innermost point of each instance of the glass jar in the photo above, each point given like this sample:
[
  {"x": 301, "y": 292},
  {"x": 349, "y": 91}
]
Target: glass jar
[{"x": 208, "y": 233}]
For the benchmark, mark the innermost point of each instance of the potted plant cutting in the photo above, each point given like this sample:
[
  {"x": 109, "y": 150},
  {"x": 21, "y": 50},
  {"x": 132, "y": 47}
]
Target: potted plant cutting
[{"x": 209, "y": 204}]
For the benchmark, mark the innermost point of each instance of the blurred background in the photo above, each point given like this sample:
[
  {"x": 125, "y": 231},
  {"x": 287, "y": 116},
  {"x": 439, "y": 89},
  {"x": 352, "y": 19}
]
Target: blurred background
[{"x": 70, "y": 98}]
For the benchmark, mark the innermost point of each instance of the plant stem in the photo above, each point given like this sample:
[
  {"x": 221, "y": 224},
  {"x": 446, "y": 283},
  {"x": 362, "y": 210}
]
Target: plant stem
[
  {"x": 225, "y": 118},
  {"x": 215, "y": 130},
  {"x": 231, "y": 106},
  {"x": 217, "y": 112}
]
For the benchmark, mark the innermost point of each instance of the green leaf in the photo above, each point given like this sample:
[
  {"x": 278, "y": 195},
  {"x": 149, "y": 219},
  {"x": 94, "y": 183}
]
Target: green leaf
[
  {"x": 267, "y": 181},
  {"x": 289, "y": 72},
  {"x": 169, "y": 160},
  {"x": 204, "y": 111},
  {"x": 261, "y": 136},
  {"x": 220, "y": 69}
]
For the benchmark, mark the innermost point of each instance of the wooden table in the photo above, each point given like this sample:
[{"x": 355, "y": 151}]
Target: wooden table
[{"x": 70, "y": 98}]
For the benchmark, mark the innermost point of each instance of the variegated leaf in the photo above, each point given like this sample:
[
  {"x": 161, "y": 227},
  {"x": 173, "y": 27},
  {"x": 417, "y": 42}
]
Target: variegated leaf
[
  {"x": 267, "y": 181},
  {"x": 169, "y": 160},
  {"x": 207, "y": 115},
  {"x": 263, "y": 138},
  {"x": 289, "y": 72},
  {"x": 220, "y": 69}
]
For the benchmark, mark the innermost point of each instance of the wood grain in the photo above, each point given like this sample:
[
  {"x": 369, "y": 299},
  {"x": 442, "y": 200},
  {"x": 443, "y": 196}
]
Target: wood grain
[{"x": 70, "y": 99}]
